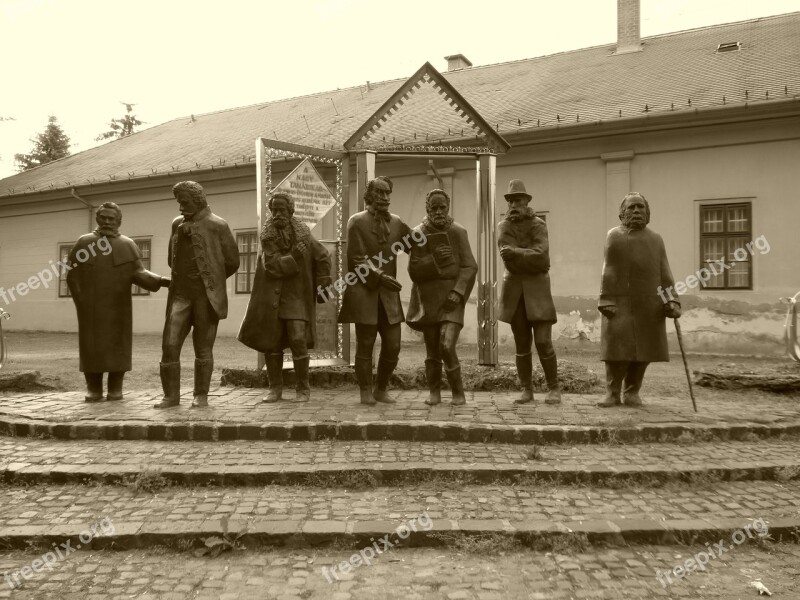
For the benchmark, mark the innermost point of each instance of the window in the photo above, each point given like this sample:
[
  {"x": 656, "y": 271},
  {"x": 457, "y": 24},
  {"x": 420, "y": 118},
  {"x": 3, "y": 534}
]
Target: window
[
  {"x": 724, "y": 234},
  {"x": 248, "y": 254},
  {"x": 63, "y": 253},
  {"x": 144, "y": 250}
]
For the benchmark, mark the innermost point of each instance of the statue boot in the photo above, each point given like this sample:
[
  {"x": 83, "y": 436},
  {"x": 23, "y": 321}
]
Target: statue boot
[
  {"x": 633, "y": 383},
  {"x": 525, "y": 374},
  {"x": 615, "y": 373},
  {"x": 203, "y": 369},
  {"x": 115, "y": 379},
  {"x": 456, "y": 386},
  {"x": 94, "y": 387},
  {"x": 275, "y": 376},
  {"x": 170, "y": 383},
  {"x": 433, "y": 375},
  {"x": 302, "y": 387},
  {"x": 550, "y": 368},
  {"x": 363, "y": 368},
  {"x": 385, "y": 370}
]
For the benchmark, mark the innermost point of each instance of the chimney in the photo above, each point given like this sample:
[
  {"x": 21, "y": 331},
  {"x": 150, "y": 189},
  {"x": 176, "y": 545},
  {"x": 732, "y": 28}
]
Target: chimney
[
  {"x": 456, "y": 62},
  {"x": 628, "y": 38}
]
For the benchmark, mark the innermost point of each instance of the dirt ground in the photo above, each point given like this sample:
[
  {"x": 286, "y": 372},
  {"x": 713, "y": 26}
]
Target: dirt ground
[{"x": 55, "y": 356}]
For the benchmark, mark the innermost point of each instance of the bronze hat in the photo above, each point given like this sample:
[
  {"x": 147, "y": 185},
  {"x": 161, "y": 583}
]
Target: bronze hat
[{"x": 516, "y": 187}]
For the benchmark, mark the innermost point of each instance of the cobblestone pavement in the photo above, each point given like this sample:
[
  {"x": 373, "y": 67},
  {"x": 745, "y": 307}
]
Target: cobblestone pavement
[
  {"x": 242, "y": 405},
  {"x": 190, "y": 507},
  {"x": 38, "y": 461},
  {"x": 409, "y": 574}
]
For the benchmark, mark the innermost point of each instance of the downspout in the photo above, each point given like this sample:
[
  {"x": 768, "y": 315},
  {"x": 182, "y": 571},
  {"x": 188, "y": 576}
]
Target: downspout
[{"x": 87, "y": 205}]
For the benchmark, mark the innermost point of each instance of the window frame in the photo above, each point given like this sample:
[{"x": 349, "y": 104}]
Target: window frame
[
  {"x": 62, "y": 269},
  {"x": 249, "y": 273},
  {"x": 146, "y": 263},
  {"x": 728, "y": 236}
]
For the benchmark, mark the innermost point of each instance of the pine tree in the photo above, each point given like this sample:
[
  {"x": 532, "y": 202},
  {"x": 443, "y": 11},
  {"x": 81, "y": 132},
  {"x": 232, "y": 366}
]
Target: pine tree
[
  {"x": 121, "y": 127},
  {"x": 48, "y": 146}
]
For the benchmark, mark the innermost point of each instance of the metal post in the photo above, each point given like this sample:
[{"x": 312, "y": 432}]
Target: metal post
[
  {"x": 365, "y": 171},
  {"x": 487, "y": 260}
]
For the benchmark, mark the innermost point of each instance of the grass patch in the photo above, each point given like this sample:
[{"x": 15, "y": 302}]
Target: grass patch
[{"x": 149, "y": 481}]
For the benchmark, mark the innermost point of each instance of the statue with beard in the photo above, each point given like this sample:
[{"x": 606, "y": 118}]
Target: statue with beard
[
  {"x": 525, "y": 299},
  {"x": 281, "y": 312},
  {"x": 103, "y": 266},
  {"x": 443, "y": 270},
  {"x": 202, "y": 254},
  {"x": 633, "y": 330},
  {"x": 374, "y": 237}
]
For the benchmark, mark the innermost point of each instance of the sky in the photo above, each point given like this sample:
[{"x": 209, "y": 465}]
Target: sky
[{"x": 81, "y": 59}]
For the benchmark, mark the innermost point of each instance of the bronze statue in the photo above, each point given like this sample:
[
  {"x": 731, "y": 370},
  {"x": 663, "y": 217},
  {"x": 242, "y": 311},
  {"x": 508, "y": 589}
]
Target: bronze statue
[
  {"x": 443, "y": 270},
  {"x": 372, "y": 301},
  {"x": 633, "y": 330},
  {"x": 103, "y": 266},
  {"x": 202, "y": 255},
  {"x": 281, "y": 312},
  {"x": 525, "y": 299}
]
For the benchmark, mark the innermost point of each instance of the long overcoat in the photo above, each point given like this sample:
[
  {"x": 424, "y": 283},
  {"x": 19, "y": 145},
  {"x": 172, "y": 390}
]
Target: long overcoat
[
  {"x": 634, "y": 269},
  {"x": 215, "y": 254},
  {"x": 526, "y": 273},
  {"x": 360, "y": 301},
  {"x": 101, "y": 290},
  {"x": 432, "y": 283},
  {"x": 285, "y": 287}
]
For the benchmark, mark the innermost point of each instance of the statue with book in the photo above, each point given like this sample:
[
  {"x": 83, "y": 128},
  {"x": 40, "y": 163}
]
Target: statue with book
[{"x": 443, "y": 270}]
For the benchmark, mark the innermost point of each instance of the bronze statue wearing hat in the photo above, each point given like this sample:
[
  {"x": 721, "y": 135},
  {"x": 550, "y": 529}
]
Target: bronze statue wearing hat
[{"x": 525, "y": 300}]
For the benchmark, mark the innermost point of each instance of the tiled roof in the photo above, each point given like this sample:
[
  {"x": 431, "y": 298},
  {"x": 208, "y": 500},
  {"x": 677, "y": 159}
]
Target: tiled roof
[{"x": 673, "y": 72}]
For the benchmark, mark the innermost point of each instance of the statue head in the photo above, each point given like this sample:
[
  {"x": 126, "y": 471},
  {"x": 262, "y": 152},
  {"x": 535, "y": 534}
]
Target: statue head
[
  {"x": 281, "y": 205},
  {"x": 518, "y": 199},
  {"x": 437, "y": 205},
  {"x": 191, "y": 197},
  {"x": 109, "y": 218},
  {"x": 634, "y": 212},
  {"x": 378, "y": 192}
]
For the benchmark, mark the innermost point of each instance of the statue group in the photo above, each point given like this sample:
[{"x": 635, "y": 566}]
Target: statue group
[{"x": 293, "y": 274}]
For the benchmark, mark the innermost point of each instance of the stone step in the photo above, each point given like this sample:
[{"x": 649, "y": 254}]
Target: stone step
[
  {"x": 337, "y": 414},
  {"x": 418, "y": 515},
  {"x": 329, "y": 463}
]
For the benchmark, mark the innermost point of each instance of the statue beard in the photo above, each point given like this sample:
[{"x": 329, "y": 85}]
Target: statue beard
[
  {"x": 441, "y": 222},
  {"x": 112, "y": 231},
  {"x": 514, "y": 215},
  {"x": 280, "y": 222},
  {"x": 634, "y": 221}
]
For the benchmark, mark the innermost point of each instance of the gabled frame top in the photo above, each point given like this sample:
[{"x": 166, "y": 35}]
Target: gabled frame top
[{"x": 427, "y": 74}]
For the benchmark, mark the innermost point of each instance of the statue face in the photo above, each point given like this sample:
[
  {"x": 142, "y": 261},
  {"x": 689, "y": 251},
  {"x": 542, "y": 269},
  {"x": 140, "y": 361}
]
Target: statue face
[
  {"x": 380, "y": 195},
  {"x": 108, "y": 220},
  {"x": 634, "y": 215},
  {"x": 187, "y": 205},
  {"x": 280, "y": 212},
  {"x": 438, "y": 210},
  {"x": 517, "y": 206}
]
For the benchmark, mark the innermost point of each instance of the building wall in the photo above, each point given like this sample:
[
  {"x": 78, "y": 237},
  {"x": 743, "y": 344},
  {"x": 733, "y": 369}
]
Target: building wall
[{"x": 577, "y": 184}]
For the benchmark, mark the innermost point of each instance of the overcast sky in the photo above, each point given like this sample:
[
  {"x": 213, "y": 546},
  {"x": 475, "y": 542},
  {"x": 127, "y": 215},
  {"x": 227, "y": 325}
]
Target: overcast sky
[{"x": 79, "y": 59}]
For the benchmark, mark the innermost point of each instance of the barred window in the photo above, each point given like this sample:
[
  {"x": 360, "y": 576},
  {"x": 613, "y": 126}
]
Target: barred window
[
  {"x": 724, "y": 229},
  {"x": 144, "y": 250},
  {"x": 63, "y": 254},
  {"x": 248, "y": 254}
]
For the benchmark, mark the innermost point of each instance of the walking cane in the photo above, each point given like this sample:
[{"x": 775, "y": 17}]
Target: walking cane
[
  {"x": 685, "y": 364},
  {"x": 3, "y": 351}
]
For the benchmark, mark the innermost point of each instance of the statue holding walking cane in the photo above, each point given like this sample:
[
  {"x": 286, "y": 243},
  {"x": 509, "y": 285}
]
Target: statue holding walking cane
[{"x": 633, "y": 304}]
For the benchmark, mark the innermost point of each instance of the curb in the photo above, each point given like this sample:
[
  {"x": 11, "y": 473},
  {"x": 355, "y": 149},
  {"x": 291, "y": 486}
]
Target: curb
[
  {"x": 539, "y": 535},
  {"x": 327, "y": 475},
  {"x": 418, "y": 431}
]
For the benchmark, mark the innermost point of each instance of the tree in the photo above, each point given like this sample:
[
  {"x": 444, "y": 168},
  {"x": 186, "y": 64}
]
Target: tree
[
  {"x": 49, "y": 145},
  {"x": 121, "y": 127}
]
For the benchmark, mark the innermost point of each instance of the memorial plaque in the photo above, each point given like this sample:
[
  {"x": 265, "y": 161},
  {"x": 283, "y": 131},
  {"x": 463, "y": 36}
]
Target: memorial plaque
[{"x": 312, "y": 197}]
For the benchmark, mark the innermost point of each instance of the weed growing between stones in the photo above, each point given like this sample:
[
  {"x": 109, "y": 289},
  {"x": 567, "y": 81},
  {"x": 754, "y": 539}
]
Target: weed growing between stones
[
  {"x": 485, "y": 544},
  {"x": 149, "y": 481}
]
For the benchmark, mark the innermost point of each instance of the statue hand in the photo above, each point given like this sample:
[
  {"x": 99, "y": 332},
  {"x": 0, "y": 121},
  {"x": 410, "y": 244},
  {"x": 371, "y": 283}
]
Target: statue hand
[
  {"x": 507, "y": 252},
  {"x": 443, "y": 253},
  {"x": 390, "y": 283},
  {"x": 453, "y": 301},
  {"x": 166, "y": 282},
  {"x": 672, "y": 310},
  {"x": 608, "y": 311}
]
